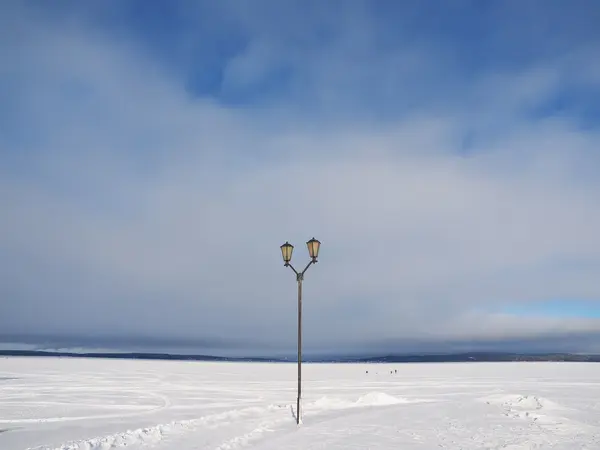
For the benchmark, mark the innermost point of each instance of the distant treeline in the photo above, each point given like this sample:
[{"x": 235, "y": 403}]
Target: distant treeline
[
  {"x": 151, "y": 356},
  {"x": 484, "y": 357},
  {"x": 427, "y": 358}
]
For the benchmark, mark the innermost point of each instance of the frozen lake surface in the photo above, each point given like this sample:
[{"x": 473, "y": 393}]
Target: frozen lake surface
[{"x": 54, "y": 403}]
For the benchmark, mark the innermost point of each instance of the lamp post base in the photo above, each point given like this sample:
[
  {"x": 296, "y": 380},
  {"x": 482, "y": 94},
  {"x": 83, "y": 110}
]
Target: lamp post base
[{"x": 298, "y": 413}]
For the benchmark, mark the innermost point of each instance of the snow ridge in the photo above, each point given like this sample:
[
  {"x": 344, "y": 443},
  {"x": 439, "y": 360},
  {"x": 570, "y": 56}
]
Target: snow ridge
[{"x": 370, "y": 399}]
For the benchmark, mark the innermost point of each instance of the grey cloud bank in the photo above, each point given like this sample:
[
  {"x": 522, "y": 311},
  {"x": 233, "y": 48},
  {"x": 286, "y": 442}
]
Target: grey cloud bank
[{"x": 133, "y": 207}]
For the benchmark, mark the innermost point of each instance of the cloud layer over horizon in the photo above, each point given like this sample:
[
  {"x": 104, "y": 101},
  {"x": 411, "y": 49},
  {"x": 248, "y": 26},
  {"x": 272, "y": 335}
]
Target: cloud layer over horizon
[{"x": 153, "y": 157}]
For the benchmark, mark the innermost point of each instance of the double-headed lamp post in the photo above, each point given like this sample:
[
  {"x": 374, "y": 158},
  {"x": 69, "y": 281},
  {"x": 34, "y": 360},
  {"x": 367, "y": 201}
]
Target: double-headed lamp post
[{"x": 313, "y": 251}]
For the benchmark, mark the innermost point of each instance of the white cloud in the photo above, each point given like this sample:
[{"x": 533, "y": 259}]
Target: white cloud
[{"x": 139, "y": 209}]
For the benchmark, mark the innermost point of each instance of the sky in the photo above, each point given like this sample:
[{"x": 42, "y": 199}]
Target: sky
[{"x": 155, "y": 155}]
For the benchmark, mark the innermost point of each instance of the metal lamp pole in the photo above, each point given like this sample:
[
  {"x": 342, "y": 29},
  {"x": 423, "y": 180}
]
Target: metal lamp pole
[{"x": 313, "y": 251}]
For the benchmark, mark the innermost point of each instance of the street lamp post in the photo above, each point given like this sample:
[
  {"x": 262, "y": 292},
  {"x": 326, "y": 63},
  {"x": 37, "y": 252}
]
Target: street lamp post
[{"x": 313, "y": 251}]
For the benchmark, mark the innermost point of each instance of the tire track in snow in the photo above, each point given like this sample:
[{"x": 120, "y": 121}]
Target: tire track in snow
[
  {"x": 253, "y": 435},
  {"x": 154, "y": 434},
  {"x": 166, "y": 402}
]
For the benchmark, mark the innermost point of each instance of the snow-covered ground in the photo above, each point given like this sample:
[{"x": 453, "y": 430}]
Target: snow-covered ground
[{"x": 53, "y": 403}]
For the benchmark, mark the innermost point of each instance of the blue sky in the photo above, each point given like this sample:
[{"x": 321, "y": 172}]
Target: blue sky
[
  {"x": 154, "y": 155},
  {"x": 558, "y": 308}
]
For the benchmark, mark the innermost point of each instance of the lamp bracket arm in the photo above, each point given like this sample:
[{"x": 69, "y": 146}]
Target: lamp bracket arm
[
  {"x": 292, "y": 267},
  {"x": 308, "y": 265}
]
